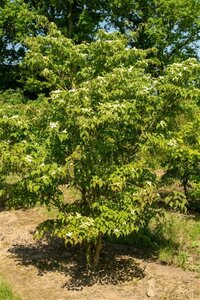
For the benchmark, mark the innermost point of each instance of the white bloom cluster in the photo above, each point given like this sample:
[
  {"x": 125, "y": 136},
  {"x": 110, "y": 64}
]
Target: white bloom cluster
[
  {"x": 163, "y": 124},
  {"x": 147, "y": 89},
  {"x": 172, "y": 143},
  {"x": 57, "y": 91},
  {"x": 55, "y": 94},
  {"x": 53, "y": 125},
  {"x": 72, "y": 90},
  {"x": 101, "y": 78},
  {"x": 69, "y": 234},
  {"x": 87, "y": 223},
  {"x": 149, "y": 183},
  {"x": 29, "y": 158}
]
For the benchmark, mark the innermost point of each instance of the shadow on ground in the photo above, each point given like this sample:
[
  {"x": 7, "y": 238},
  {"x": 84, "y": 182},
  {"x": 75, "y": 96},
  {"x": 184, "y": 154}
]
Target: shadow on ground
[{"x": 117, "y": 263}]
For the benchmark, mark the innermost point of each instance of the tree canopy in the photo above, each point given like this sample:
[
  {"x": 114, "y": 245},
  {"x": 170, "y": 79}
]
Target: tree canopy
[
  {"x": 102, "y": 132},
  {"x": 111, "y": 107}
]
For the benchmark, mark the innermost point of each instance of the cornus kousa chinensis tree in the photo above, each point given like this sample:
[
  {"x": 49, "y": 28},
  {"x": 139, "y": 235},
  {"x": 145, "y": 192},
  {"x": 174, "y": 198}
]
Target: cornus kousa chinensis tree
[{"x": 103, "y": 131}]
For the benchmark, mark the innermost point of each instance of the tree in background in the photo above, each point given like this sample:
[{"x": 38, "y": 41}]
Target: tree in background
[
  {"x": 17, "y": 22},
  {"x": 182, "y": 160},
  {"x": 76, "y": 19},
  {"x": 172, "y": 27}
]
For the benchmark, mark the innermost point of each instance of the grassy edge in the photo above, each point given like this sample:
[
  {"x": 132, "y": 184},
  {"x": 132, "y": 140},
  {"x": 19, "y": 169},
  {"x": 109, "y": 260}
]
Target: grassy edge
[
  {"x": 174, "y": 241},
  {"x": 6, "y": 292}
]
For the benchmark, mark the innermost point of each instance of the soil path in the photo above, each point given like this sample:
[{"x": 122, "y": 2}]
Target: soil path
[{"x": 50, "y": 272}]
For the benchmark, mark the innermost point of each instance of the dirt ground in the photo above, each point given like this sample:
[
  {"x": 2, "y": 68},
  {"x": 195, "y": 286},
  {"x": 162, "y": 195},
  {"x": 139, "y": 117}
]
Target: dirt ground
[{"x": 41, "y": 271}]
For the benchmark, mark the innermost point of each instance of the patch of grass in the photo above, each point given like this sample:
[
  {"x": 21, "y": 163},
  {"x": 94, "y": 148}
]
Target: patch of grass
[
  {"x": 175, "y": 241},
  {"x": 179, "y": 241},
  {"x": 6, "y": 292}
]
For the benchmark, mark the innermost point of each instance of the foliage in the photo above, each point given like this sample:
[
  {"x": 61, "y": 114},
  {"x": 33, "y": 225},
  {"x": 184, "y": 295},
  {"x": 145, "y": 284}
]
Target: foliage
[
  {"x": 16, "y": 22},
  {"x": 99, "y": 132},
  {"x": 20, "y": 19},
  {"x": 171, "y": 27},
  {"x": 78, "y": 20},
  {"x": 6, "y": 292},
  {"x": 182, "y": 160},
  {"x": 12, "y": 96}
]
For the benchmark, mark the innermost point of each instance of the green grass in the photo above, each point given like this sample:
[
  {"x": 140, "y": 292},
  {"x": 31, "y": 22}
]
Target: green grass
[
  {"x": 179, "y": 241},
  {"x": 175, "y": 241},
  {"x": 6, "y": 292}
]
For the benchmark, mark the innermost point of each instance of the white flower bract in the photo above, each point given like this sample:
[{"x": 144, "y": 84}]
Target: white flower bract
[{"x": 53, "y": 125}]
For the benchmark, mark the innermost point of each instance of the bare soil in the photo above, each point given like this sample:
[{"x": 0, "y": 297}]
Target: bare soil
[{"x": 49, "y": 271}]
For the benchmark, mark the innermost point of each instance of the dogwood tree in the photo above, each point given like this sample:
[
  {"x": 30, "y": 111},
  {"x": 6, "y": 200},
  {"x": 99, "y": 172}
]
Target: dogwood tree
[{"x": 101, "y": 132}]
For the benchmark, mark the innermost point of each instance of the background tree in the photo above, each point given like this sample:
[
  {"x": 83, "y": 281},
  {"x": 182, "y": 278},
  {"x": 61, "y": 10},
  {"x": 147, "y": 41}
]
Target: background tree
[
  {"x": 182, "y": 161},
  {"x": 76, "y": 19},
  {"x": 19, "y": 19},
  {"x": 17, "y": 22},
  {"x": 172, "y": 27}
]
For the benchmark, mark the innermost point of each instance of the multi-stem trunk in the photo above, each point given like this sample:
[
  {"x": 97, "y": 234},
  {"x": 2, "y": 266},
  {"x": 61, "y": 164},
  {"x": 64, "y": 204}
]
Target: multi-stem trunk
[
  {"x": 97, "y": 252},
  {"x": 93, "y": 253}
]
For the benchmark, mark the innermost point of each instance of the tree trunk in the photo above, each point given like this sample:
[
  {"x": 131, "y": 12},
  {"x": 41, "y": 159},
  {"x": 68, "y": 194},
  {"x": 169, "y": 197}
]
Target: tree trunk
[
  {"x": 88, "y": 255},
  {"x": 185, "y": 182},
  {"x": 70, "y": 20},
  {"x": 185, "y": 187},
  {"x": 97, "y": 251}
]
